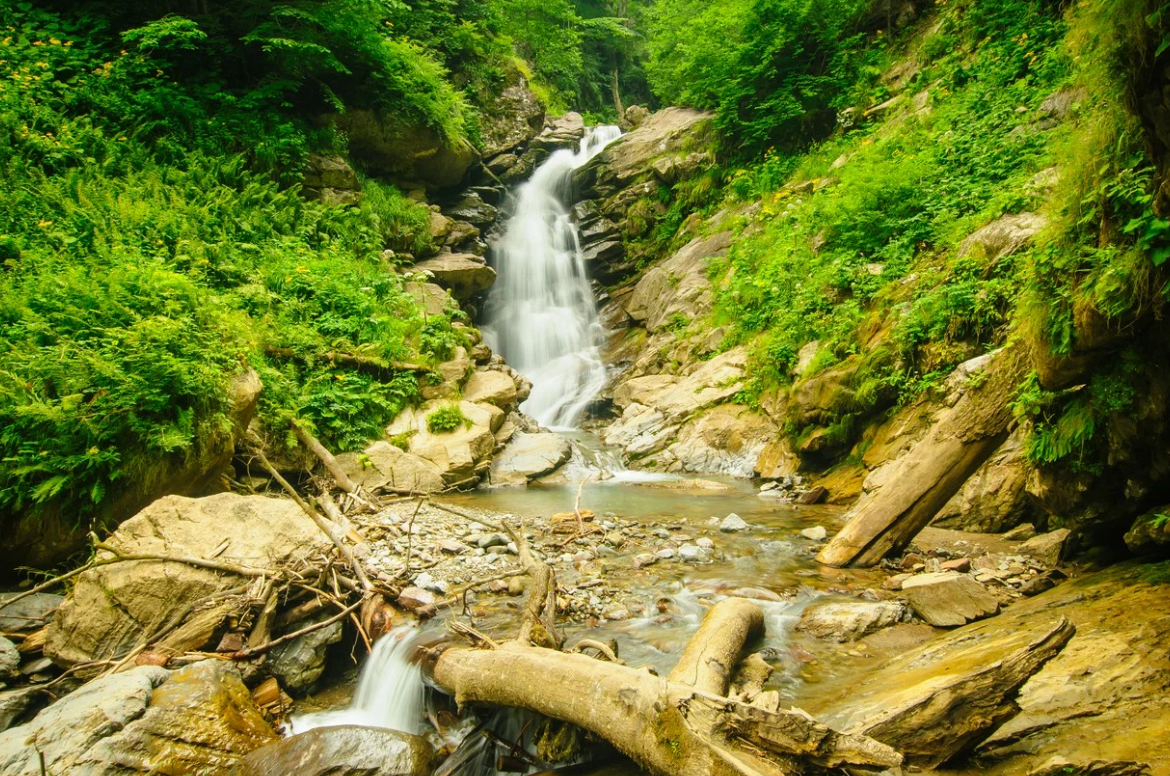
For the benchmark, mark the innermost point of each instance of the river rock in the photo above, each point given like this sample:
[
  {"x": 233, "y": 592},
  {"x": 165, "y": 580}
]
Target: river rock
[
  {"x": 816, "y": 533},
  {"x": 113, "y": 607},
  {"x": 563, "y": 131},
  {"x": 948, "y": 599},
  {"x": 1150, "y": 533},
  {"x": 463, "y": 274},
  {"x": 345, "y": 750},
  {"x": 850, "y": 621},
  {"x": 814, "y": 495},
  {"x": 945, "y": 697},
  {"x": 733, "y": 523},
  {"x": 299, "y": 663},
  {"x": 528, "y": 456},
  {"x": 1047, "y": 548},
  {"x": 9, "y": 659},
  {"x": 200, "y": 719},
  {"x": 29, "y": 612}
]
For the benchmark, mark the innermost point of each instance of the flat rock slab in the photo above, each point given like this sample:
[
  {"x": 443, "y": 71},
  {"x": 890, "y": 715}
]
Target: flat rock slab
[
  {"x": 942, "y": 699},
  {"x": 529, "y": 456},
  {"x": 947, "y": 599}
]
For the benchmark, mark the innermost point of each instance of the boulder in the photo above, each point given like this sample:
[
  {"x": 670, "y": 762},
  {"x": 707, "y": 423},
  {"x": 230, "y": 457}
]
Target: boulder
[
  {"x": 563, "y": 131},
  {"x": 677, "y": 286},
  {"x": 776, "y": 460},
  {"x": 490, "y": 387},
  {"x": 1048, "y": 548},
  {"x": 199, "y": 719},
  {"x": 852, "y": 620},
  {"x": 473, "y": 210},
  {"x": 726, "y": 439},
  {"x": 995, "y": 499},
  {"x": 450, "y": 375},
  {"x": 345, "y": 750},
  {"x": 511, "y": 118},
  {"x": 947, "y": 599},
  {"x": 733, "y": 523},
  {"x": 1003, "y": 237},
  {"x": 46, "y": 537},
  {"x": 629, "y": 156},
  {"x": 433, "y": 298},
  {"x": 463, "y": 274},
  {"x": 1150, "y": 533},
  {"x": 461, "y": 455},
  {"x": 112, "y": 608},
  {"x": 330, "y": 179},
  {"x": 528, "y": 456},
  {"x": 826, "y": 395},
  {"x": 299, "y": 663},
  {"x": 28, "y": 613},
  {"x": 15, "y": 704},
  {"x": 942, "y": 699},
  {"x": 387, "y": 468},
  {"x": 392, "y": 147},
  {"x": 9, "y": 659}
]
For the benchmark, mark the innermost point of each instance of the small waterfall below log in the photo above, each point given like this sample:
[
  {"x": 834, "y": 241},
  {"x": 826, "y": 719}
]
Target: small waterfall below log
[
  {"x": 542, "y": 317},
  {"x": 390, "y": 691}
]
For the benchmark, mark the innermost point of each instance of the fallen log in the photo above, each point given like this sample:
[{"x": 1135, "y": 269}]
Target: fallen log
[
  {"x": 682, "y": 725},
  {"x": 933, "y": 471}
]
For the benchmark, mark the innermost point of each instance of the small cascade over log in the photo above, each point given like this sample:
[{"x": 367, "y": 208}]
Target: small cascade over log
[{"x": 541, "y": 313}]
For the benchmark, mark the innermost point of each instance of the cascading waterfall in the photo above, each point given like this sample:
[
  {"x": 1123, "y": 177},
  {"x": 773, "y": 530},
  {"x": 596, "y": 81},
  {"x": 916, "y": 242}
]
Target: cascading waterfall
[
  {"x": 390, "y": 692},
  {"x": 541, "y": 313}
]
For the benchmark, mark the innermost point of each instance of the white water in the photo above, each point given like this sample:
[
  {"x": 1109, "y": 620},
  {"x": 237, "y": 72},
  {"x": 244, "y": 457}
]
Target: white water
[
  {"x": 541, "y": 313},
  {"x": 390, "y": 691}
]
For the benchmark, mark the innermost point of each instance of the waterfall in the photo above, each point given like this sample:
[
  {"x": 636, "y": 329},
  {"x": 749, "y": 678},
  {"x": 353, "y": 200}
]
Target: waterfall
[
  {"x": 390, "y": 691},
  {"x": 541, "y": 313}
]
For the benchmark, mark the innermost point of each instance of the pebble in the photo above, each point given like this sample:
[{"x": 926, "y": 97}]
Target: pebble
[
  {"x": 959, "y": 564},
  {"x": 817, "y": 533},
  {"x": 644, "y": 559},
  {"x": 491, "y": 540},
  {"x": 705, "y": 543},
  {"x": 691, "y": 553},
  {"x": 666, "y": 553},
  {"x": 733, "y": 523}
]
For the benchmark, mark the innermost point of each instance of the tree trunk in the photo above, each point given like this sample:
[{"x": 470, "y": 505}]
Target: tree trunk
[
  {"x": 617, "y": 94},
  {"x": 933, "y": 470},
  {"x": 668, "y": 726}
]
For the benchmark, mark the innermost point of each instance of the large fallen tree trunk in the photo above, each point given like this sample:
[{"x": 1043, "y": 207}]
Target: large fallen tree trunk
[
  {"x": 683, "y": 725},
  {"x": 934, "y": 470}
]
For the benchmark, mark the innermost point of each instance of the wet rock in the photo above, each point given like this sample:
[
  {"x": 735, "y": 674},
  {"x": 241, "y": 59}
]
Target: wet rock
[
  {"x": 343, "y": 751},
  {"x": 644, "y": 559},
  {"x": 691, "y": 553},
  {"x": 299, "y": 663},
  {"x": 1059, "y": 766},
  {"x": 666, "y": 553},
  {"x": 816, "y": 533},
  {"x": 113, "y": 607},
  {"x": 617, "y": 613},
  {"x": 199, "y": 719},
  {"x": 948, "y": 599},
  {"x": 1047, "y": 548},
  {"x": 942, "y": 699},
  {"x": 415, "y": 599},
  {"x": 733, "y": 523},
  {"x": 814, "y": 496},
  {"x": 528, "y": 456},
  {"x": 850, "y": 621},
  {"x": 757, "y": 594},
  {"x": 473, "y": 210},
  {"x": 705, "y": 543}
]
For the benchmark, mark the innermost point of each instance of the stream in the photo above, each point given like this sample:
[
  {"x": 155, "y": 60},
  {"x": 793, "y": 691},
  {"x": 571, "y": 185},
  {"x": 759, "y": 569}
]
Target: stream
[{"x": 542, "y": 317}]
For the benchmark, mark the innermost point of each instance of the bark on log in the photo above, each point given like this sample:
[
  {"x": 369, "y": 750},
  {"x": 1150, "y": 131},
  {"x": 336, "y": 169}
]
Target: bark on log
[
  {"x": 933, "y": 470},
  {"x": 713, "y": 653},
  {"x": 667, "y": 726}
]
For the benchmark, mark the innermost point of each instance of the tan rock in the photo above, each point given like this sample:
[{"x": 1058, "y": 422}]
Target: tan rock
[
  {"x": 995, "y": 499},
  {"x": 850, "y": 621},
  {"x": 948, "y": 599},
  {"x": 528, "y": 456},
  {"x": 112, "y": 608},
  {"x": 343, "y": 751},
  {"x": 1048, "y": 548},
  {"x": 777, "y": 460},
  {"x": 1150, "y": 532},
  {"x": 491, "y": 387},
  {"x": 726, "y": 439},
  {"x": 1003, "y": 237},
  {"x": 451, "y": 373},
  {"x": 463, "y": 274},
  {"x": 677, "y": 286},
  {"x": 461, "y": 455},
  {"x": 384, "y": 467},
  {"x": 433, "y": 298}
]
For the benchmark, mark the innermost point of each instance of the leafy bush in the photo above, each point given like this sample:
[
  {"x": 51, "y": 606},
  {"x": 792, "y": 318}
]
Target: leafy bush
[{"x": 446, "y": 419}]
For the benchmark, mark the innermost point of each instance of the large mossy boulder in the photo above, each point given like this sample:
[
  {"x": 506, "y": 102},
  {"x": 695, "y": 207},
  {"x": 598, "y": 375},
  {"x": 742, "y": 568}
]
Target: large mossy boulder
[
  {"x": 387, "y": 146},
  {"x": 511, "y": 118},
  {"x": 199, "y": 719},
  {"x": 45, "y": 537},
  {"x": 113, "y": 608}
]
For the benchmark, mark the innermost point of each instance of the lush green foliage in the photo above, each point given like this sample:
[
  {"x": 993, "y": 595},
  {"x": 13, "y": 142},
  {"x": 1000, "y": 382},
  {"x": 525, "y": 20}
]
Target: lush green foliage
[
  {"x": 150, "y": 255},
  {"x": 446, "y": 419}
]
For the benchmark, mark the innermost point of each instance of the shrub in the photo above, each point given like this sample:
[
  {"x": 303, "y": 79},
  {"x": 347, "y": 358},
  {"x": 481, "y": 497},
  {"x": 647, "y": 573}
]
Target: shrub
[{"x": 446, "y": 419}]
